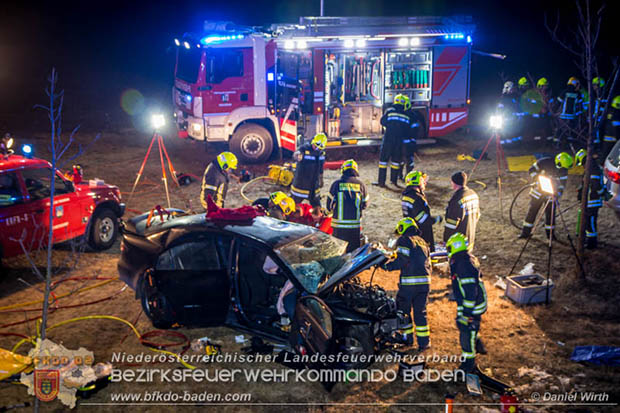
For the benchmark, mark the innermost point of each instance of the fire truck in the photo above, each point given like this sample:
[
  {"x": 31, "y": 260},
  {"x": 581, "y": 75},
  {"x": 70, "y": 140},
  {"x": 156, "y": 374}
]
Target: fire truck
[{"x": 265, "y": 89}]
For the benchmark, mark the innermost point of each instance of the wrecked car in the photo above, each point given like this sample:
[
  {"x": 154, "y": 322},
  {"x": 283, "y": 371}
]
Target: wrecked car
[{"x": 187, "y": 270}]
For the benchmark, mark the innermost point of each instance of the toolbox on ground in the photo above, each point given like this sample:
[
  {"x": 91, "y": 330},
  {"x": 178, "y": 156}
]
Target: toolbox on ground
[{"x": 527, "y": 289}]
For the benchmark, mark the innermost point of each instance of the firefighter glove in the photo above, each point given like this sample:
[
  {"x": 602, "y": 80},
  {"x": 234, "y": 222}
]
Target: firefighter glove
[{"x": 464, "y": 321}]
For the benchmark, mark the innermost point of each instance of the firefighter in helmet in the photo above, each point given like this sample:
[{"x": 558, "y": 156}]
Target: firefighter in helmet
[
  {"x": 556, "y": 170},
  {"x": 543, "y": 117},
  {"x": 413, "y": 261},
  {"x": 611, "y": 128},
  {"x": 398, "y": 127},
  {"x": 595, "y": 197},
  {"x": 471, "y": 298},
  {"x": 571, "y": 108},
  {"x": 215, "y": 179},
  {"x": 346, "y": 199},
  {"x": 415, "y": 206},
  {"x": 524, "y": 84},
  {"x": 278, "y": 205},
  {"x": 308, "y": 178}
]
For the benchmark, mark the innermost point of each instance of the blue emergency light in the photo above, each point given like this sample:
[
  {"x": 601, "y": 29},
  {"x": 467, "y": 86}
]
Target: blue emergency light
[
  {"x": 454, "y": 36},
  {"x": 220, "y": 39},
  {"x": 27, "y": 150},
  {"x": 270, "y": 76}
]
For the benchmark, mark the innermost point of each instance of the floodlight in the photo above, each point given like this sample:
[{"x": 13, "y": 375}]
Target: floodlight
[
  {"x": 177, "y": 42},
  {"x": 289, "y": 44},
  {"x": 546, "y": 184},
  {"x": 186, "y": 45},
  {"x": 403, "y": 41},
  {"x": 158, "y": 120},
  {"x": 415, "y": 41},
  {"x": 348, "y": 43},
  {"x": 496, "y": 122},
  {"x": 301, "y": 44},
  {"x": 360, "y": 43}
]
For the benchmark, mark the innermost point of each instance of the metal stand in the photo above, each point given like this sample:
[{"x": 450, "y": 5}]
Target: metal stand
[
  {"x": 501, "y": 162},
  {"x": 162, "y": 152}
]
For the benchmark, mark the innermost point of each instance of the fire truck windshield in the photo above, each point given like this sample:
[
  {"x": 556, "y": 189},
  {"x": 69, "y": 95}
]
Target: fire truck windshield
[{"x": 188, "y": 64}]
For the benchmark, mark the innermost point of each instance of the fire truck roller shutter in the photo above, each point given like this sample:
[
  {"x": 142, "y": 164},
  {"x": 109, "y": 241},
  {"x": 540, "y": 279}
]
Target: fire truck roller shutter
[{"x": 252, "y": 141}]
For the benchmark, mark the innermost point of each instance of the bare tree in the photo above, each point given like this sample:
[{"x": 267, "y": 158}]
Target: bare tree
[{"x": 581, "y": 43}]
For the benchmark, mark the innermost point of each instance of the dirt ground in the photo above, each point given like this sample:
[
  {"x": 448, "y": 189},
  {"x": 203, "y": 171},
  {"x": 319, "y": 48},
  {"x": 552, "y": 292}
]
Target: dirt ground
[{"x": 539, "y": 338}]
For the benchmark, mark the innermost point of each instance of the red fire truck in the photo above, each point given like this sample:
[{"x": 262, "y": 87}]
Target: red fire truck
[{"x": 265, "y": 89}]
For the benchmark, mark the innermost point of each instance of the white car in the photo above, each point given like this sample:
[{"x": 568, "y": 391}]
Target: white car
[{"x": 612, "y": 178}]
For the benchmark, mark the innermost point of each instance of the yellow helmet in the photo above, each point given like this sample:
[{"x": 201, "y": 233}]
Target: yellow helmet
[
  {"x": 456, "y": 243},
  {"x": 573, "y": 81},
  {"x": 319, "y": 141},
  {"x": 598, "y": 81},
  {"x": 227, "y": 160},
  {"x": 401, "y": 99},
  {"x": 414, "y": 178},
  {"x": 288, "y": 205},
  {"x": 542, "y": 82},
  {"x": 523, "y": 82},
  {"x": 615, "y": 103},
  {"x": 404, "y": 224},
  {"x": 563, "y": 160},
  {"x": 580, "y": 157},
  {"x": 349, "y": 164}
]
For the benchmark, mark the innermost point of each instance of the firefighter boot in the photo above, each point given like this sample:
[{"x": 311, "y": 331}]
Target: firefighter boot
[
  {"x": 382, "y": 177},
  {"x": 549, "y": 234},
  {"x": 480, "y": 347},
  {"x": 591, "y": 243},
  {"x": 394, "y": 174},
  {"x": 525, "y": 232}
]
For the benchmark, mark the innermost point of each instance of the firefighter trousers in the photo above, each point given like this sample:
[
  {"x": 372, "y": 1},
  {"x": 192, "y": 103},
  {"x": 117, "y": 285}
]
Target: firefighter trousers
[
  {"x": 313, "y": 197},
  {"x": 532, "y": 212},
  {"x": 351, "y": 235},
  {"x": 410, "y": 150},
  {"x": 390, "y": 156},
  {"x": 591, "y": 218},
  {"x": 468, "y": 335},
  {"x": 415, "y": 296}
]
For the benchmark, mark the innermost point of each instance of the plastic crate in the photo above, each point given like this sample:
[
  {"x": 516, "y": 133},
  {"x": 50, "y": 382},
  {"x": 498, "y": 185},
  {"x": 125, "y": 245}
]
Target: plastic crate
[{"x": 527, "y": 289}]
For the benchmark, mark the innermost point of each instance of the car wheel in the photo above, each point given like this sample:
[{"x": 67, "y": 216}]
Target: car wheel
[
  {"x": 103, "y": 229},
  {"x": 354, "y": 340},
  {"x": 252, "y": 143},
  {"x": 155, "y": 305}
]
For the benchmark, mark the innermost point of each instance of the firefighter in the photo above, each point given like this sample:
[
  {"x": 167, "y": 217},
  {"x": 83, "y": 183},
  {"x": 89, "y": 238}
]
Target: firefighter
[
  {"x": 595, "y": 197},
  {"x": 611, "y": 127},
  {"x": 216, "y": 177},
  {"x": 410, "y": 144},
  {"x": 508, "y": 107},
  {"x": 543, "y": 124},
  {"x": 397, "y": 128},
  {"x": 571, "y": 101},
  {"x": 524, "y": 85},
  {"x": 308, "y": 178},
  {"x": 556, "y": 169},
  {"x": 471, "y": 299},
  {"x": 278, "y": 205},
  {"x": 413, "y": 261},
  {"x": 415, "y": 206},
  {"x": 463, "y": 210},
  {"x": 346, "y": 199}
]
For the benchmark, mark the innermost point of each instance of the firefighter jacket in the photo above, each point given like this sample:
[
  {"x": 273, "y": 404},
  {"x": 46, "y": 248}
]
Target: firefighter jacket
[
  {"x": 415, "y": 206},
  {"x": 571, "y": 104},
  {"x": 270, "y": 209},
  {"x": 467, "y": 284},
  {"x": 462, "y": 215},
  {"x": 611, "y": 128},
  {"x": 546, "y": 167},
  {"x": 309, "y": 172},
  {"x": 418, "y": 126},
  {"x": 346, "y": 199},
  {"x": 398, "y": 124},
  {"x": 214, "y": 183},
  {"x": 597, "y": 187},
  {"x": 412, "y": 259}
]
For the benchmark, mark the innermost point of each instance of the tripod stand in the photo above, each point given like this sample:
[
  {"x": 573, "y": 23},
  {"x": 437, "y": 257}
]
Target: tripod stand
[
  {"x": 552, "y": 199},
  {"x": 162, "y": 152},
  {"x": 501, "y": 162}
]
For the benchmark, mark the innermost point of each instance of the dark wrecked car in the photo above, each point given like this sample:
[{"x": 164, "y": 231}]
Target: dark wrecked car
[{"x": 189, "y": 271}]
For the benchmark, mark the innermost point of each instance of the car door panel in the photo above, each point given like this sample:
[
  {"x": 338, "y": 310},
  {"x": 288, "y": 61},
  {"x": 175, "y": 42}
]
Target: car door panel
[{"x": 313, "y": 325}]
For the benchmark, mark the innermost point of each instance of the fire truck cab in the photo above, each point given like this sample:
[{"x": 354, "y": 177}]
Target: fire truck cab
[{"x": 266, "y": 89}]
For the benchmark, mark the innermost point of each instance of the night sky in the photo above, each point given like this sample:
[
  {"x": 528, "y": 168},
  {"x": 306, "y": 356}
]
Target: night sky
[{"x": 103, "y": 48}]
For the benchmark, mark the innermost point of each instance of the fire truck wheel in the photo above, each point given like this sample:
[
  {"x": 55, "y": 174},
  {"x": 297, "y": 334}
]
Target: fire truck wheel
[
  {"x": 252, "y": 143},
  {"x": 103, "y": 230}
]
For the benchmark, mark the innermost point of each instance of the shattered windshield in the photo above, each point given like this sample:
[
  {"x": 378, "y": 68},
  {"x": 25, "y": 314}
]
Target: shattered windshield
[{"x": 314, "y": 258}]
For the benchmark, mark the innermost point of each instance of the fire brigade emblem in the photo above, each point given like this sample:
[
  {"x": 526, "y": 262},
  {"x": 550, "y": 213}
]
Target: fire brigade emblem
[{"x": 46, "y": 384}]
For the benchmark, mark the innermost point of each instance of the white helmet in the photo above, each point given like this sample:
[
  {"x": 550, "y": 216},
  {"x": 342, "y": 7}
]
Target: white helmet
[{"x": 508, "y": 87}]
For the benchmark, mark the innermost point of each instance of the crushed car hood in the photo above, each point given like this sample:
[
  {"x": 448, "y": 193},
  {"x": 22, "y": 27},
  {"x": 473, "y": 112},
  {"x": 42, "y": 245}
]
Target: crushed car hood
[{"x": 362, "y": 259}]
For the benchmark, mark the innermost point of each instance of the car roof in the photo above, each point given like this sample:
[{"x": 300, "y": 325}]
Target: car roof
[
  {"x": 13, "y": 162},
  {"x": 266, "y": 229}
]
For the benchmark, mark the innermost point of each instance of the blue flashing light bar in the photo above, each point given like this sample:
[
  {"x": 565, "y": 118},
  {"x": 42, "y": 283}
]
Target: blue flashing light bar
[
  {"x": 270, "y": 76},
  {"x": 468, "y": 39},
  {"x": 454, "y": 36},
  {"x": 220, "y": 39}
]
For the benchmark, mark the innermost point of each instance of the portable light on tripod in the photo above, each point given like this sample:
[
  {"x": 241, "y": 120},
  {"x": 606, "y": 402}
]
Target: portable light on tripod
[
  {"x": 496, "y": 122},
  {"x": 546, "y": 185}
]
